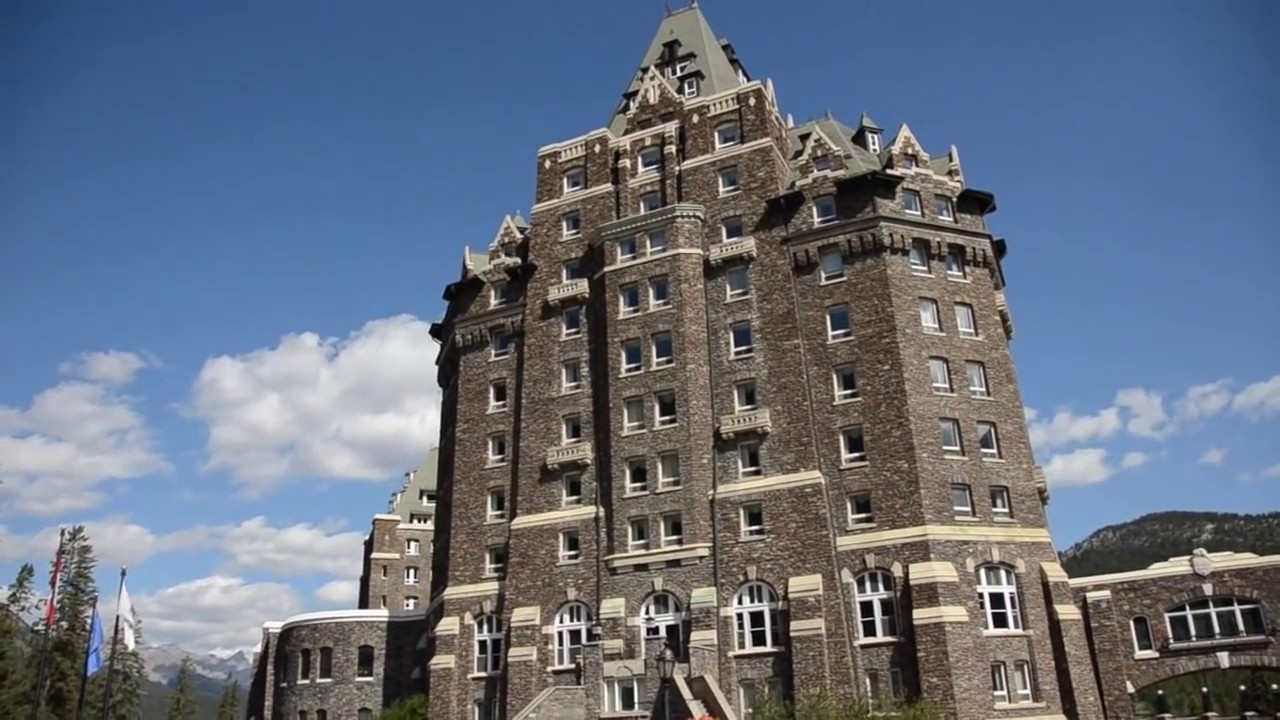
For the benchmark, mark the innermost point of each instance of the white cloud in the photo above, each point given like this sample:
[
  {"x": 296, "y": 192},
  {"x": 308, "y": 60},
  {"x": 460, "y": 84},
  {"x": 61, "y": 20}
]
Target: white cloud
[
  {"x": 1260, "y": 399},
  {"x": 1084, "y": 466},
  {"x": 115, "y": 540},
  {"x": 1272, "y": 472},
  {"x": 57, "y": 453},
  {"x": 219, "y": 613},
  {"x": 112, "y": 367},
  {"x": 1201, "y": 401},
  {"x": 1213, "y": 456},
  {"x": 360, "y": 408},
  {"x": 1147, "y": 416},
  {"x": 1134, "y": 459},
  {"x": 300, "y": 549},
  {"x": 339, "y": 592},
  {"x": 1066, "y": 428}
]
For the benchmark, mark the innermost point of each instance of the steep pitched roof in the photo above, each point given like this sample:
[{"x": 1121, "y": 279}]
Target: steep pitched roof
[
  {"x": 857, "y": 159},
  {"x": 690, "y": 28}
]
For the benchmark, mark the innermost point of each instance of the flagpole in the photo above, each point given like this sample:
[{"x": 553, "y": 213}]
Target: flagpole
[
  {"x": 88, "y": 650},
  {"x": 111, "y": 661},
  {"x": 50, "y": 615}
]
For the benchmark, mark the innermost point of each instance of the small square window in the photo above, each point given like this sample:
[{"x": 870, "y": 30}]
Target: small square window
[
  {"x": 664, "y": 404},
  {"x": 943, "y": 207},
  {"x": 659, "y": 293},
  {"x": 570, "y": 546},
  {"x": 964, "y": 320},
  {"x": 412, "y": 547},
  {"x": 496, "y": 504},
  {"x": 977, "y": 378},
  {"x": 824, "y": 209},
  {"x": 571, "y": 224},
  {"x": 672, "y": 530},
  {"x": 571, "y": 429},
  {"x": 571, "y": 322},
  {"x": 689, "y": 88},
  {"x": 650, "y": 202},
  {"x": 741, "y": 341},
  {"x": 571, "y": 270},
  {"x": 629, "y": 299},
  {"x": 499, "y": 344},
  {"x": 940, "y": 375},
  {"x": 627, "y": 249},
  {"x": 961, "y": 500},
  {"x": 410, "y": 602},
  {"x": 822, "y": 163},
  {"x": 633, "y": 414},
  {"x": 929, "y": 315},
  {"x": 728, "y": 179},
  {"x": 853, "y": 446},
  {"x": 497, "y": 395},
  {"x": 911, "y": 202},
  {"x": 839, "y": 326},
  {"x": 845, "y": 378},
  {"x": 638, "y": 534},
  {"x": 988, "y": 442},
  {"x": 955, "y": 262},
  {"x": 411, "y": 576},
  {"x": 428, "y": 497},
  {"x": 656, "y": 241},
  {"x": 650, "y": 159},
  {"x": 751, "y": 518},
  {"x": 744, "y": 396},
  {"x": 499, "y": 294},
  {"x": 737, "y": 282},
  {"x": 495, "y": 561},
  {"x": 664, "y": 354},
  {"x": 831, "y": 262},
  {"x": 731, "y": 228},
  {"x": 910, "y": 161},
  {"x": 632, "y": 357},
  {"x": 749, "y": 459},
  {"x": 669, "y": 470},
  {"x": 575, "y": 179},
  {"x": 860, "y": 509},
  {"x": 728, "y": 134},
  {"x": 950, "y": 430},
  {"x": 571, "y": 376},
  {"x": 571, "y": 488},
  {"x": 497, "y": 449},
  {"x": 637, "y": 476},
  {"x": 1000, "y": 502},
  {"x": 919, "y": 257}
]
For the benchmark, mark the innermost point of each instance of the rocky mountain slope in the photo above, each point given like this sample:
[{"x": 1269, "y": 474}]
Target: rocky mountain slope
[
  {"x": 1138, "y": 543},
  {"x": 163, "y": 661}
]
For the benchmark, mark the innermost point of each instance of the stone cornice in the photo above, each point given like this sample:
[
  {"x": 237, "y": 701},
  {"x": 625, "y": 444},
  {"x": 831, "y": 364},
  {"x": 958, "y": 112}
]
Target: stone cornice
[
  {"x": 859, "y": 237},
  {"x": 648, "y": 221},
  {"x": 332, "y": 617},
  {"x": 1174, "y": 567}
]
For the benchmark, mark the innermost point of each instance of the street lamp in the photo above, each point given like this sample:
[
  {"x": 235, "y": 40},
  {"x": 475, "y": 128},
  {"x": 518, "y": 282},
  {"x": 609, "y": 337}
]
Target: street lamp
[{"x": 666, "y": 662}]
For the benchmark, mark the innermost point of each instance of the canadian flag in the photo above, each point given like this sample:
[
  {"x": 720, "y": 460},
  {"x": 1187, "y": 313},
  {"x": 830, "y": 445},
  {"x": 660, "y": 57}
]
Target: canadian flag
[{"x": 51, "y": 609}]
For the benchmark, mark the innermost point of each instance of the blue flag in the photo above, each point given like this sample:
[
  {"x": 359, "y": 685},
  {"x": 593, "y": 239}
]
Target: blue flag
[{"x": 93, "y": 663}]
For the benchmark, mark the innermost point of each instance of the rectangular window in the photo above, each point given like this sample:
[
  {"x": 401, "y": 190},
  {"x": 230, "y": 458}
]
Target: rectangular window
[
  {"x": 571, "y": 270},
  {"x": 1000, "y": 505},
  {"x": 977, "y": 373},
  {"x": 499, "y": 294},
  {"x": 741, "y": 341},
  {"x": 638, "y": 534},
  {"x": 689, "y": 88},
  {"x": 853, "y": 447},
  {"x": 497, "y": 395},
  {"x": 575, "y": 179},
  {"x": 410, "y": 602},
  {"x": 943, "y": 207},
  {"x": 749, "y": 459},
  {"x": 628, "y": 300},
  {"x": 570, "y": 546},
  {"x": 650, "y": 159},
  {"x": 839, "y": 324},
  {"x": 664, "y": 406},
  {"x": 412, "y": 547},
  {"x": 831, "y": 264},
  {"x": 873, "y": 142},
  {"x": 751, "y": 519},
  {"x": 497, "y": 449},
  {"x": 919, "y": 257},
  {"x": 637, "y": 476},
  {"x": 988, "y": 442},
  {"x": 571, "y": 488},
  {"x": 964, "y": 320},
  {"x": 929, "y": 315},
  {"x": 728, "y": 134},
  {"x": 731, "y": 229},
  {"x": 571, "y": 322},
  {"x": 411, "y": 576},
  {"x": 632, "y": 356},
  {"x": 999, "y": 683},
  {"x": 571, "y": 224},
  {"x": 623, "y": 695},
  {"x": 499, "y": 344},
  {"x": 659, "y": 293},
  {"x": 571, "y": 376},
  {"x": 669, "y": 470},
  {"x": 822, "y": 163},
  {"x": 728, "y": 180},
  {"x": 824, "y": 209},
  {"x": 656, "y": 241},
  {"x": 664, "y": 354},
  {"x": 495, "y": 561},
  {"x": 962, "y": 500},
  {"x": 911, "y": 202},
  {"x": 628, "y": 249},
  {"x": 910, "y": 161},
  {"x": 955, "y": 262},
  {"x": 650, "y": 202},
  {"x": 672, "y": 530},
  {"x": 1022, "y": 685},
  {"x": 633, "y": 414},
  {"x": 940, "y": 375},
  {"x": 845, "y": 379},
  {"x": 571, "y": 429},
  {"x": 950, "y": 430},
  {"x": 737, "y": 282},
  {"x": 860, "y": 509},
  {"x": 744, "y": 396},
  {"x": 497, "y": 504}
]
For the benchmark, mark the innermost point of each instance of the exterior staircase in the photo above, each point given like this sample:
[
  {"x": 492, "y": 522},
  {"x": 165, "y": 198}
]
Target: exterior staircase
[{"x": 560, "y": 702}]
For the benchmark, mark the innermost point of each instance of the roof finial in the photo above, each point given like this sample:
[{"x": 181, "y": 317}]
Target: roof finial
[{"x": 666, "y": 7}]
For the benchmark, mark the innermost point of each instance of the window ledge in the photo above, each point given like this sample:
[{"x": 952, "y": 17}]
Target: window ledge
[
  {"x": 483, "y": 675},
  {"x": 967, "y": 518},
  {"x": 754, "y": 652},
  {"x": 875, "y": 641},
  {"x": 857, "y": 527},
  {"x": 944, "y": 393},
  {"x": 957, "y": 278},
  {"x": 936, "y": 333},
  {"x": 569, "y": 563},
  {"x": 1003, "y": 519},
  {"x": 668, "y": 488},
  {"x": 921, "y": 273},
  {"x": 993, "y": 459},
  {"x": 368, "y": 679},
  {"x": 846, "y": 401},
  {"x": 1146, "y": 655},
  {"x": 321, "y": 681},
  {"x": 1006, "y": 633},
  {"x": 668, "y": 426},
  {"x": 1020, "y": 706},
  {"x": 744, "y": 356},
  {"x": 854, "y": 465},
  {"x": 752, "y": 538},
  {"x": 633, "y": 431},
  {"x": 629, "y": 494},
  {"x": 564, "y": 392},
  {"x": 562, "y": 668},
  {"x": 833, "y": 281},
  {"x": 492, "y": 464},
  {"x": 948, "y": 456},
  {"x": 841, "y": 339},
  {"x": 495, "y": 411},
  {"x": 972, "y": 337},
  {"x": 981, "y": 397},
  {"x": 495, "y": 521}
]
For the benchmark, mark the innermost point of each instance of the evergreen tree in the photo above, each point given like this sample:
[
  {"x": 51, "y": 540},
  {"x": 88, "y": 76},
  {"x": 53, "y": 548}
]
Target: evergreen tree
[
  {"x": 182, "y": 705},
  {"x": 413, "y": 707},
  {"x": 69, "y": 635},
  {"x": 129, "y": 673},
  {"x": 18, "y": 642},
  {"x": 229, "y": 702}
]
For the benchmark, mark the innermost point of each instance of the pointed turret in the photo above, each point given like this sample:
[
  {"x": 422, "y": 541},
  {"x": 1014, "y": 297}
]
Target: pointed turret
[{"x": 689, "y": 58}]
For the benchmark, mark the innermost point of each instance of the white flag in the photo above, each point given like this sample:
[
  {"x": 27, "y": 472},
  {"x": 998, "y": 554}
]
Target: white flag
[{"x": 128, "y": 622}]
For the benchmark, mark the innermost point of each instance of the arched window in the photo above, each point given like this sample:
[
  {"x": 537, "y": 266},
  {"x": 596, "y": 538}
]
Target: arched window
[
  {"x": 322, "y": 715},
  {"x": 488, "y": 644},
  {"x": 364, "y": 661},
  {"x": 1216, "y": 619},
  {"x": 998, "y": 598},
  {"x": 364, "y": 714},
  {"x": 304, "y": 664},
  {"x": 877, "y": 605},
  {"x": 571, "y": 627},
  {"x": 755, "y": 609},
  {"x": 1142, "y": 640},
  {"x": 326, "y": 663},
  {"x": 661, "y": 617}
]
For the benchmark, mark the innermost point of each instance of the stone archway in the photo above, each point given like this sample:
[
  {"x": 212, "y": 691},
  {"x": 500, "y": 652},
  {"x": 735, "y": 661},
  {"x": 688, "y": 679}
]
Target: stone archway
[{"x": 1197, "y": 673}]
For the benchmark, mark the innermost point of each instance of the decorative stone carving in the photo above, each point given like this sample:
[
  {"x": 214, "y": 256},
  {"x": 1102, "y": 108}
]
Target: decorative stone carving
[{"x": 1201, "y": 563}]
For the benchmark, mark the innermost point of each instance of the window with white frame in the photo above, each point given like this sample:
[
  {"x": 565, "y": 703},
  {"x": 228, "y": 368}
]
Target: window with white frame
[
  {"x": 728, "y": 180},
  {"x": 873, "y": 141},
  {"x": 853, "y": 446},
  {"x": 659, "y": 292},
  {"x": 486, "y": 709},
  {"x": 633, "y": 414},
  {"x": 669, "y": 470},
  {"x": 728, "y": 134},
  {"x": 488, "y": 644},
  {"x": 944, "y": 208},
  {"x": 650, "y": 202},
  {"x": 731, "y": 228},
  {"x": 571, "y": 322},
  {"x": 571, "y": 488},
  {"x": 824, "y": 209},
  {"x": 428, "y": 497},
  {"x": 1143, "y": 642},
  {"x": 940, "y": 375},
  {"x": 571, "y": 376},
  {"x": 877, "y": 605},
  {"x": 741, "y": 340},
  {"x": 664, "y": 408},
  {"x": 977, "y": 373},
  {"x": 965, "y": 323},
  {"x": 1001, "y": 506},
  {"x": 495, "y": 561},
  {"x": 1023, "y": 686},
  {"x": 661, "y": 617},
  {"x": 877, "y": 693},
  {"x": 656, "y": 241},
  {"x": 650, "y": 159},
  {"x": 672, "y": 530},
  {"x": 822, "y": 163},
  {"x": 962, "y": 500},
  {"x": 496, "y": 505},
  {"x": 751, "y": 520},
  {"x": 410, "y": 602},
  {"x": 911, "y": 202},
  {"x": 637, "y": 534},
  {"x": 988, "y": 440},
  {"x": 737, "y": 282},
  {"x": 998, "y": 598},
  {"x": 412, "y": 546},
  {"x": 497, "y": 449},
  {"x": 411, "y": 576},
  {"x": 845, "y": 380},
  {"x": 629, "y": 299},
  {"x": 571, "y": 224},
  {"x": 499, "y": 294},
  {"x": 628, "y": 249},
  {"x": 755, "y": 610},
  {"x": 929, "y": 315},
  {"x": 570, "y": 633},
  {"x": 1000, "y": 683},
  {"x": 1219, "y": 618},
  {"x": 637, "y": 475},
  {"x": 632, "y": 356},
  {"x": 955, "y": 262},
  {"x": 575, "y": 179},
  {"x": 571, "y": 270},
  {"x": 570, "y": 546},
  {"x": 859, "y": 507},
  {"x": 499, "y": 344},
  {"x": 919, "y": 257},
  {"x": 839, "y": 324},
  {"x": 749, "y": 459},
  {"x": 831, "y": 264},
  {"x": 623, "y": 694},
  {"x": 949, "y": 428},
  {"x": 744, "y": 396},
  {"x": 689, "y": 88},
  {"x": 571, "y": 429},
  {"x": 664, "y": 354},
  {"x": 497, "y": 395}
]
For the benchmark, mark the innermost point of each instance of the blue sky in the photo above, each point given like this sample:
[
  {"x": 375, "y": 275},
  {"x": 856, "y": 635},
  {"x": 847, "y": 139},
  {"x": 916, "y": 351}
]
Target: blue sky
[{"x": 256, "y": 206}]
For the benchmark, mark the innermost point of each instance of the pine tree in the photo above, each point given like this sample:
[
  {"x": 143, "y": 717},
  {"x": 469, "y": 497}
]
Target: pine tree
[
  {"x": 18, "y": 642},
  {"x": 182, "y": 705},
  {"x": 77, "y": 592},
  {"x": 229, "y": 702},
  {"x": 128, "y": 673},
  {"x": 413, "y": 707}
]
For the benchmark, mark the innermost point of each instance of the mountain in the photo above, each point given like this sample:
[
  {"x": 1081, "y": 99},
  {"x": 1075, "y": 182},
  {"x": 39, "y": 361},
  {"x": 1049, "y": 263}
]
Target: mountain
[
  {"x": 1153, "y": 538},
  {"x": 163, "y": 661}
]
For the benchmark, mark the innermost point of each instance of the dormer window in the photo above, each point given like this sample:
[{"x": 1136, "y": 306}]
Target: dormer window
[
  {"x": 822, "y": 163},
  {"x": 677, "y": 69},
  {"x": 873, "y": 141},
  {"x": 575, "y": 179},
  {"x": 689, "y": 88},
  {"x": 650, "y": 159},
  {"x": 728, "y": 134},
  {"x": 499, "y": 294},
  {"x": 824, "y": 209},
  {"x": 909, "y": 162}
]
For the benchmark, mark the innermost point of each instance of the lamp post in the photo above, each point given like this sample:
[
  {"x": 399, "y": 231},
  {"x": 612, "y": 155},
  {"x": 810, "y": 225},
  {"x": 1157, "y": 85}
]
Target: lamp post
[
  {"x": 1162, "y": 705},
  {"x": 666, "y": 662}
]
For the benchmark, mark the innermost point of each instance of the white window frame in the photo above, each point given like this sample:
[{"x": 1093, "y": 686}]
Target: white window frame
[
  {"x": 732, "y": 228},
  {"x": 569, "y": 633},
  {"x": 831, "y": 264},
  {"x": 988, "y": 433},
  {"x": 667, "y": 479},
  {"x": 566, "y": 330},
  {"x": 851, "y": 509},
  {"x": 672, "y": 528},
  {"x": 876, "y": 601},
  {"x": 499, "y": 294},
  {"x": 727, "y": 180},
  {"x": 918, "y": 257},
  {"x": 655, "y": 343},
  {"x": 638, "y": 535},
  {"x": 659, "y": 613},
  {"x": 1000, "y": 683},
  {"x": 567, "y": 480},
  {"x": 836, "y": 333},
  {"x": 498, "y": 442},
  {"x": 997, "y": 582},
  {"x": 577, "y": 173},
  {"x": 749, "y": 527},
  {"x": 497, "y": 349},
  {"x": 614, "y": 699},
  {"x": 873, "y": 141},
  {"x": 495, "y": 504},
  {"x": 410, "y": 602},
  {"x": 824, "y": 209},
  {"x": 571, "y": 224},
  {"x": 843, "y": 394},
  {"x": 689, "y": 87},
  {"x": 660, "y": 420},
  {"x": 571, "y": 375},
  {"x": 637, "y": 477},
  {"x": 1217, "y": 606},
  {"x": 655, "y": 242},
  {"x": 650, "y": 202},
  {"x": 1023, "y": 682},
  {"x": 966, "y": 321},
  {"x": 928, "y": 308},
  {"x": 569, "y": 553},
  {"x": 952, "y": 424},
  {"x": 570, "y": 270},
  {"x": 955, "y": 262},
  {"x": 907, "y": 197},
  {"x": 745, "y": 449},
  {"x": 742, "y": 351},
  {"x": 745, "y": 396},
  {"x": 495, "y": 561},
  {"x": 495, "y": 404},
  {"x": 663, "y": 282},
  {"x": 571, "y": 425},
  {"x": 755, "y": 610},
  {"x": 633, "y": 422},
  {"x": 629, "y": 300},
  {"x": 411, "y": 576},
  {"x": 412, "y": 546},
  {"x": 977, "y": 371},
  {"x": 728, "y": 134},
  {"x": 966, "y": 509},
  {"x": 1000, "y": 494},
  {"x": 628, "y": 248},
  {"x": 1137, "y": 639},
  {"x": 940, "y": 375},
  {"x": 944, "y": 207},
  {"x": 488, "y": 644},
  {"x": 732, "y": 293},
  {"x": 652, "y": 151},
  {"x": 849, "y": 455},
  {"x": 629, "y": 367}
]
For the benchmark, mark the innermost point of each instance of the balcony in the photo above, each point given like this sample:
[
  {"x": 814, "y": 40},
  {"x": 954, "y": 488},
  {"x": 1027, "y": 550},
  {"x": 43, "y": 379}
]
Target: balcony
[
  {"x": 576, "y": 454},
  {"x": 566, "y": 291},
  {"x": 753, "y": 421},
  {"x": 1002, "y": 307},
  {"x": 744, "y": 248}
]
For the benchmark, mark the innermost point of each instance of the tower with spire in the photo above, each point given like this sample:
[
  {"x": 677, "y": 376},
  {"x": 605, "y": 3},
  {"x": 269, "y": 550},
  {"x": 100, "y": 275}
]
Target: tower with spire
[{"x": 736, "y": 405}]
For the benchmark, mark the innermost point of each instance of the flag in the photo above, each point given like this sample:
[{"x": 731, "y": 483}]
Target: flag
[
  {"x": 93, "y": 661},
  {"x": 128, "y": 621},
  {"x": 51, "y": 609}
]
